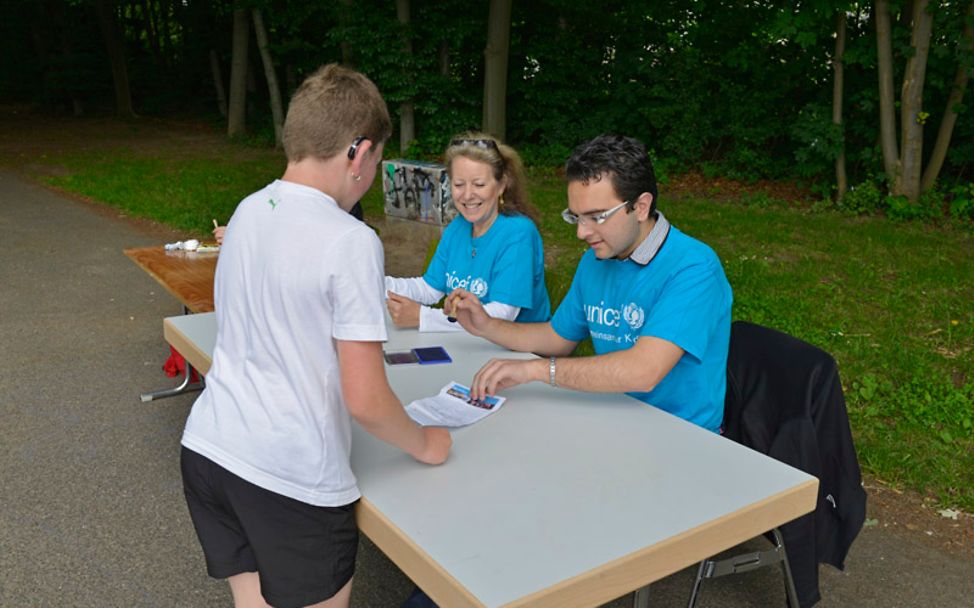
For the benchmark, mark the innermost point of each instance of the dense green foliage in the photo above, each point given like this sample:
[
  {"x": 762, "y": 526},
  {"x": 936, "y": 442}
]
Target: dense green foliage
[
  {"x": 737, "y": 89},
  {"x": 890, "y": 300}
]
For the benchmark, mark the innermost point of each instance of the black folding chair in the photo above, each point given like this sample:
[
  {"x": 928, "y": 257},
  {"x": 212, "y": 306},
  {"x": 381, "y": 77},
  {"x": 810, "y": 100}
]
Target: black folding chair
[{"x": 784, "y": 399}]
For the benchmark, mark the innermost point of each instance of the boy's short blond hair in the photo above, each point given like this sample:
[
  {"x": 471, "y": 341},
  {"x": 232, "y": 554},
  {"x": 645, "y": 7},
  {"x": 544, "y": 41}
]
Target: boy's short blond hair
[{"x": 332, "y": 107}]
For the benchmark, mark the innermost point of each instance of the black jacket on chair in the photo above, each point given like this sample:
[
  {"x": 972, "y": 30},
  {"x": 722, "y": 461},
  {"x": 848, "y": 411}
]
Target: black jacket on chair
[{"x": 784, "y": 399}]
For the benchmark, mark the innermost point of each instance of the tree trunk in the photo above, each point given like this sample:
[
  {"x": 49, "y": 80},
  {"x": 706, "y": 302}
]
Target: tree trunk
[
  {"x": 151, "y": 31},
  {"x": 170, "y": 16},
  {"x": 344, "y": 20},
  {"x": 221, "y": 95},
  {"x": 912, "y": 116},
  {"x": 906, "y": 13},
  {"x": 444, "y": 57},
  {"x": 67, "y": 52},
  {"x": 407, "y": 122},
  {"x": 39, "y": 39},
  {"x": 495, "y": 68},
  {"x": 273, "y": 89},
  {"x": 887, "y": 115},
  {"x": 108, "y": 24},
  {"x": 841, "y": 182},
  {"x": 290, "y": 77},
  {"x": 237, "y": 112},
  {"x": 947, "y": 123},
  {"x": 407, "y": 125}
]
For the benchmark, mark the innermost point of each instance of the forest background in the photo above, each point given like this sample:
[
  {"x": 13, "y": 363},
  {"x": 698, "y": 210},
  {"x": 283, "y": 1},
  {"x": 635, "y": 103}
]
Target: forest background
[{"x": 857, "y": 110}]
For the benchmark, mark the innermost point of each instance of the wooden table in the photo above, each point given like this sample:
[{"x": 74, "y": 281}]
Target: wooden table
[
  {"x": 559, "y": 499},
  {"x": 188, "y": 276}
]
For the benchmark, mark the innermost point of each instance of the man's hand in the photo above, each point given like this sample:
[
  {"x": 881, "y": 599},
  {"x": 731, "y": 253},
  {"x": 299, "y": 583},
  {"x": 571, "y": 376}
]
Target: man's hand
[
  {"x": 468, "y": 310},
  {"x": 437, "y": 446},
  {"x": 499, "y": 374},
  {"x": 404, "y": 312}
]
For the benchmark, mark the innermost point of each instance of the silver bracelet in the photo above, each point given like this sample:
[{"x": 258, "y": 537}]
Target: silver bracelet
[{"x": 551, "y": 371}]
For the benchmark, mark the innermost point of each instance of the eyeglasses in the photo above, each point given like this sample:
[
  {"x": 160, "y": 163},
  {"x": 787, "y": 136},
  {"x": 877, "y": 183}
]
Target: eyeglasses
[
  {"x": 598, "y": 218},
  {"x": 355, "y": 144},
  {"x": 486, "y": 144}
]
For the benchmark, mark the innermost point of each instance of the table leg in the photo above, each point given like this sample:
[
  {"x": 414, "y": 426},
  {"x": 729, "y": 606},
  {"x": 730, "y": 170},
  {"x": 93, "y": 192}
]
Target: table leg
[
  {"x": 640, "y": 598},
  {"x": 184, "y": 387}
]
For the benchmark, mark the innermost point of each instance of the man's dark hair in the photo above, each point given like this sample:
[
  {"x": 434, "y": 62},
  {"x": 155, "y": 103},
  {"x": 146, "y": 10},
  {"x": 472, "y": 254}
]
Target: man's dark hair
[{"x": 623, "y": 159}]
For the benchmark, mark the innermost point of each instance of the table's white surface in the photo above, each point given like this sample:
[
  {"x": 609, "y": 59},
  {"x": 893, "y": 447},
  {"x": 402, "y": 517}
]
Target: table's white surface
[{"x": 554, "y": 485}]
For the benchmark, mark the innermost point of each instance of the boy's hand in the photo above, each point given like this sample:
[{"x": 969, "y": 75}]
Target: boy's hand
[{"x": 218, "y": 233}]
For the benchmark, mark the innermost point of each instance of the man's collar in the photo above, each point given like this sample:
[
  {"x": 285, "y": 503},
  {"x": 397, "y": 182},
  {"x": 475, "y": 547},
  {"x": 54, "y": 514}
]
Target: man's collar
[{"x": 651, "y": 245}]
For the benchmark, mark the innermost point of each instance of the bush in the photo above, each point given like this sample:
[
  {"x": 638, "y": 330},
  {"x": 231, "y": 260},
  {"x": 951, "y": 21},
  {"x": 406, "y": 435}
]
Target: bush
[
  {"x": 900, "y": 208},
  {"x": 817, "y": 141},
  {"x": 962, "y": 205},
  {"x": 929, "y": 206},
  {"x": 549, "y": 156},
  {"x": 863, "y": 198}
]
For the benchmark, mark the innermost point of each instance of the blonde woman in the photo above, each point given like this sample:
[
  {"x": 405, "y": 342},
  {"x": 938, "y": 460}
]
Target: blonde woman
[{"x": 492, "y": 248}]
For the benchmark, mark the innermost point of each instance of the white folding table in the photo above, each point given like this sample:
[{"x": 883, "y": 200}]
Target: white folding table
[{"x": 559, "y": 499}]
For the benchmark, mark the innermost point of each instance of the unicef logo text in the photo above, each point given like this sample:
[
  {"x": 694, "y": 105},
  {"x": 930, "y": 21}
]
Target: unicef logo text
[
  {"x": 600, "y": 314},
  {"x": 634, "y": 315},
  {"x": 478, "y": 287}
]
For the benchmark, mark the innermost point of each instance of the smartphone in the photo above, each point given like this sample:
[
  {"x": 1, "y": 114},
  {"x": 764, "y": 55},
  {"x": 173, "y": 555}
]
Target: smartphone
[
  {"x": 432, "y": 354},
  {"x": 400, "y": 357}
]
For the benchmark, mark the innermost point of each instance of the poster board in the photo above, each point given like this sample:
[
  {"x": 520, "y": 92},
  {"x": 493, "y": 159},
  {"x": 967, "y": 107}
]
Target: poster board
[{"x": 417, "y": 190}]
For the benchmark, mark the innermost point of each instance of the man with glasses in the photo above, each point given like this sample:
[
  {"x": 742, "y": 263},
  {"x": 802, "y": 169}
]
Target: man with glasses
[{"x": 654, "y": 301}]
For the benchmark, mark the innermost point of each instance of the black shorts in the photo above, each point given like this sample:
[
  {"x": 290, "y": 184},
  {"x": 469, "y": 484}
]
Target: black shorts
[{"x": 304, "y": 554}]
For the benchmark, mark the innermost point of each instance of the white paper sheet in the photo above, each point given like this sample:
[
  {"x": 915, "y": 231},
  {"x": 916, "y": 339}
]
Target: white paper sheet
[{"x": 452, "y": 407}]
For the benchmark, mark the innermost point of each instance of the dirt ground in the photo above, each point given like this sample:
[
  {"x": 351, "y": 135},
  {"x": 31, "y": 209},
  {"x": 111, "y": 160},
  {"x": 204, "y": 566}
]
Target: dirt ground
[
  {"x": 910, "y": 514},
  {"x": 28, "y": 138}
]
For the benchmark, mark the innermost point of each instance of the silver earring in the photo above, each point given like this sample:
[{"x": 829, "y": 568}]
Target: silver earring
[{"x": 358, "y": 178}]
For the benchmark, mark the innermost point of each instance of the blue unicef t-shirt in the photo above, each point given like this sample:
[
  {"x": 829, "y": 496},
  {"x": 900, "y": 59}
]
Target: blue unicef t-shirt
[
  {"x": 505, "y": 264},
  {"x": 681, "y": 296}
]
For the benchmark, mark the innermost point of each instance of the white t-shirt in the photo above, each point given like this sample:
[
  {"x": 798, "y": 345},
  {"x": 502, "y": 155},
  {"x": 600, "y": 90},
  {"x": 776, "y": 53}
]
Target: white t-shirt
[{"x": 295, "y": 273}]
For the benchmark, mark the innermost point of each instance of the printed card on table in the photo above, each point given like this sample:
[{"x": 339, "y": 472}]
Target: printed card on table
[{"x": 452, "y": 407}]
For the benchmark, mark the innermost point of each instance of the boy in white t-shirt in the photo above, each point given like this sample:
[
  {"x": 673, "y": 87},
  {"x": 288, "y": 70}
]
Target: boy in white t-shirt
[{"x": 300, "y": 320}]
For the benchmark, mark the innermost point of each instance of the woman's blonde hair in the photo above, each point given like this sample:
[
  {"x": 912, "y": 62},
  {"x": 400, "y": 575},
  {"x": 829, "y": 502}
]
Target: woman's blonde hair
[
  {"x": 504, "y": 162},
  {"x": 332, "y": 107}
]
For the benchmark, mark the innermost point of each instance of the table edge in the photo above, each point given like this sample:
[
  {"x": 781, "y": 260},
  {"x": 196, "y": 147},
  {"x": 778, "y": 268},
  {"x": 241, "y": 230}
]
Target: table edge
[
  {"x": 186, "y": 347},
  {"x": 628, "y": 573},
  {"x": 432, "y": 578}
]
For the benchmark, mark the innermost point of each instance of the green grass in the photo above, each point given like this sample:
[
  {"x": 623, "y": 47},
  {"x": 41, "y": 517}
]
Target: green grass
[
  {"x": 892, "y": 301},
  {"x": 186, "y": 193}
]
